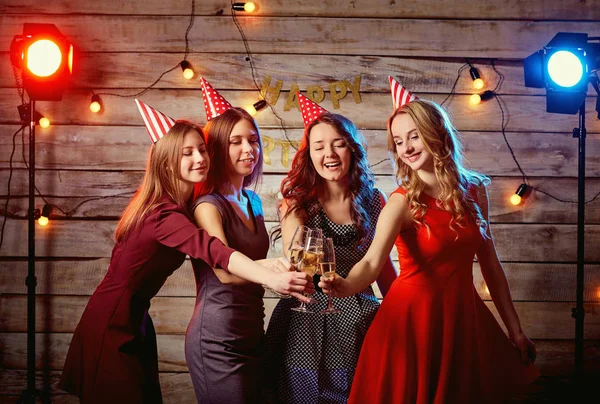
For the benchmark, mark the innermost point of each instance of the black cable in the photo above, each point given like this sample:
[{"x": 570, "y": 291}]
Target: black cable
[
  {"x": 512, "y": 153},
  {"x": 460, "y": 70},
  {"x": 10, "y": 173},
  {"x": 187, "y": 51},
  {"x": 254, "y": 76},
  {"x": 69, "y": 212}
]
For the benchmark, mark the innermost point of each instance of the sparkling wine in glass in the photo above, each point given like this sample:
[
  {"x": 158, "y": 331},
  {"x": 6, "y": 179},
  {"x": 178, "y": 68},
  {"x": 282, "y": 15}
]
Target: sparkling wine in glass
[
  {"x": 310, "y": 260},
  {"x": 327, "y": 265}
]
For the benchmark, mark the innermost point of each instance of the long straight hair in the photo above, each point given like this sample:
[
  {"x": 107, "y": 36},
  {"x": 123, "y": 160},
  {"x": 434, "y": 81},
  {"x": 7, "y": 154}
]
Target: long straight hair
[
  {"x": 442, "y": 141},
  {"x": 162, "y": 177},
  {"x": 217, "y": 132}
]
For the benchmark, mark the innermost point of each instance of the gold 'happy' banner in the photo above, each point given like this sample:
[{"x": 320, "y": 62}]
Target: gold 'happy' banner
[{"x": 338, "y": 90}]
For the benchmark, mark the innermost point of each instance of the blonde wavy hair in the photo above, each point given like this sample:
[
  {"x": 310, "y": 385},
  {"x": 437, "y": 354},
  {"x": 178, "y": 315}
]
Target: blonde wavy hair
[
  {"x": 442, "y": 141},
  {"x": 162, "y": 177}
]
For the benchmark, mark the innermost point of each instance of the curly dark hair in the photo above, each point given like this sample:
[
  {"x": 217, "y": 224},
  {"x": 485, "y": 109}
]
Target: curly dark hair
[{"x": 302, "y": 184}]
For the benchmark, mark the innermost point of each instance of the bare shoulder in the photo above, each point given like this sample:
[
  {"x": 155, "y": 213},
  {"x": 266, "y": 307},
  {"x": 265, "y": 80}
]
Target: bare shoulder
[{"x": 206, "y": 213}]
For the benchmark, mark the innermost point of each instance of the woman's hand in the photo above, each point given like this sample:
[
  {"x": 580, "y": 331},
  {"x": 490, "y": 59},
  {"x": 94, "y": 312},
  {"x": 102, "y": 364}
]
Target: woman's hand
[
  {"x": 280, "y": 264},
  {"x": 335, "y": 286},
  {"x": 526, "y": 348},
  {"x": 292, "y": 283}
]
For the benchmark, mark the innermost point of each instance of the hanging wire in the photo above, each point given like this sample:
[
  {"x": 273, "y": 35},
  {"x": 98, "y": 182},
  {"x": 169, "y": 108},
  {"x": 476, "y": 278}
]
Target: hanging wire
[
  {"x": 21, "y": 94},
  {"x": 460, "y": 70},
  {"x": 10, "y": 174},
  {"x": 250, "y": 59},
  {"x": 155, "y": 82},
  {"x": 512, "y": 153}
]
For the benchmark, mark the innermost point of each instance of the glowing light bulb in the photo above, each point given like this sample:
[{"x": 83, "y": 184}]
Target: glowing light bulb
[
  {"x": 188, "y": 72},
  {"x": 44, "y": 216},
  {"x": 248, "y": 7},
  {"x": 95, "y": 105},
  {"x": 44, "y": 122},
  {"x": 251, "y": 110},
  {"x": 515, "y": 199},
  {"x": 475, "y": 99},
  {"x": 478, "y": 84},
  {"x": 43, "y": 58}
]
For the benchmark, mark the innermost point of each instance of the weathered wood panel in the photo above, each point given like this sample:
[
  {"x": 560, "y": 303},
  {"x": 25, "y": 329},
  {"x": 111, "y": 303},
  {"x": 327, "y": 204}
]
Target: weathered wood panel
[
  {"x": 126, "y": 148},
  {"x": 524, "y": 243},
  {"x": 171, "y": 315},
  {"x": 395, "y": 37},
  {"x": 51, "y": 350},
  {"x": 469, "y": 9},
  {"x": 232, "y": 72},
  {"x": 526, "y": 113},
  {"x": 554, "y": 359},
  {"x": 528, "y": 282},
  {"x": 84, "y": 194}
]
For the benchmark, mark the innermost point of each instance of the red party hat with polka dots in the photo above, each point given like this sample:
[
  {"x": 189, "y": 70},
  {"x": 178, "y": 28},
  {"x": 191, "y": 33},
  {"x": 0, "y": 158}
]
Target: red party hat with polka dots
[
  {"x": 214, "y": 103},
  {"x": 400, "y": 95},
  {"x": 157, "y": 123},
  {"x": 310, "y": 109}
]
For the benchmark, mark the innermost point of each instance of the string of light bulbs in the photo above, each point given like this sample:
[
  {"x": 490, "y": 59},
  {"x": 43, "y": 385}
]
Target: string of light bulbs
[
  {"x": 525, "y": 187},
  {"x": 96, "y": 106},
  {"x": 250, "y": 59}
]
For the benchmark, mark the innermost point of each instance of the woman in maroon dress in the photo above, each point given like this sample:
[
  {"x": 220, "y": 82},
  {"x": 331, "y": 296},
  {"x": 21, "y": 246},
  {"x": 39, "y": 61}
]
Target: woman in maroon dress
[
  {"x": 433, "y": 339},
  {"x": 113, "y": 355}
]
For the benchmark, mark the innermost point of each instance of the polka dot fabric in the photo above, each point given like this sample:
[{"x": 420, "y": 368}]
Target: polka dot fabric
[
  {"x": 214, "y": 103},
  {"x": 311, "y": 358},
  {"x": 310, "y": 110}
]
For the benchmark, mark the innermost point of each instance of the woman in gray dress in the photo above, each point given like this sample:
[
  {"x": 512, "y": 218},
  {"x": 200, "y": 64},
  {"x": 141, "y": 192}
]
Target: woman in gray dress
[{"x": 225, "y": 338}]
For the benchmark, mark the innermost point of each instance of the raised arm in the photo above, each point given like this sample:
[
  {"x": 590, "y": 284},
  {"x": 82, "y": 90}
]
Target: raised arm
[
  {"x": 393, "y": 218},
  {"x": 496, "y": 281},
  {"x": 175, "y": 229},
  {"x": 388, "y": 273},
  {"x": 207, "y": 217},
  {"x": 289, "y": 225}
]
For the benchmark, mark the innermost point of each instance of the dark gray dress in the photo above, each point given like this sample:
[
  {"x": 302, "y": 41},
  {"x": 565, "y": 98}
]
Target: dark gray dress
[{"x": 224, "y": 342}]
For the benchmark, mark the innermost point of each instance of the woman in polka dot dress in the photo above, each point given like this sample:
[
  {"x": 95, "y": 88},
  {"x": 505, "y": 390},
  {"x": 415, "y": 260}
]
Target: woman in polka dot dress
[{"x": 311, "y": 357}]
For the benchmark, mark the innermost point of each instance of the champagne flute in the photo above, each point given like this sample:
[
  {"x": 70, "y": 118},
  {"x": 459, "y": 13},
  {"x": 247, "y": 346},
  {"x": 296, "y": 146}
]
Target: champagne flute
[
  {"x": 298, "y": 245},
  {"x": 310, "y": 260},
  {"x": 327, "y": 265},
  {"x": 295, "y": 252}
]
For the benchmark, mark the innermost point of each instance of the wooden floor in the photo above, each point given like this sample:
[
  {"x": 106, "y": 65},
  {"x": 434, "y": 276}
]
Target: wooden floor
[
  {"x": 555, "y": 361},
  {"x": 558, "y": 384}
]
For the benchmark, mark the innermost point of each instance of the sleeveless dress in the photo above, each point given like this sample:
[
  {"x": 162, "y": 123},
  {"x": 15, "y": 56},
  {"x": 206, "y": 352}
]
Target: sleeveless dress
[
  {"x": 433, "y": 339},
  {"x": 224, "y": 344},
  {"x": 311, "y": 357}
]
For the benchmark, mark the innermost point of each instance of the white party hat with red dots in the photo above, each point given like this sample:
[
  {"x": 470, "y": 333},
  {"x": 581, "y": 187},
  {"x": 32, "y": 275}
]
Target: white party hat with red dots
[
  {"x": 400, "y": 95},
  {"x": 214, "y": 103},
  {"x": 310, "y": 109},
  {"x": 157, "y": 123}
]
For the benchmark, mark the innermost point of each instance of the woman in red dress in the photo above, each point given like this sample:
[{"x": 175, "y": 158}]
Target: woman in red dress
[
  {"x": 113, "y": 357},
  {"x": 433, "y": 339}
]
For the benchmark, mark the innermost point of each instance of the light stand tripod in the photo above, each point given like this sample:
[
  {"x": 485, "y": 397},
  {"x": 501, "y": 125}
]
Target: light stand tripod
[
  {"x": 578, "y": 312},
  {"x": 30, "y": 393}
]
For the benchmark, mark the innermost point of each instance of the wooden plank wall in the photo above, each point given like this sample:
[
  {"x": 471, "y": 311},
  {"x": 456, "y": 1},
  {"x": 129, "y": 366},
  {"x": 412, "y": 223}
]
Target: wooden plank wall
[{"x": 90, "y": 164}]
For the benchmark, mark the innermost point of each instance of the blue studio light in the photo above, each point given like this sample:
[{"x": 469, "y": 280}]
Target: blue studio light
[{"x": 565, "y": 68}]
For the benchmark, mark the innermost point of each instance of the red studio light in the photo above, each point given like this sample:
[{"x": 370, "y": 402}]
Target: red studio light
[{"x": 45, "y": 58}]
